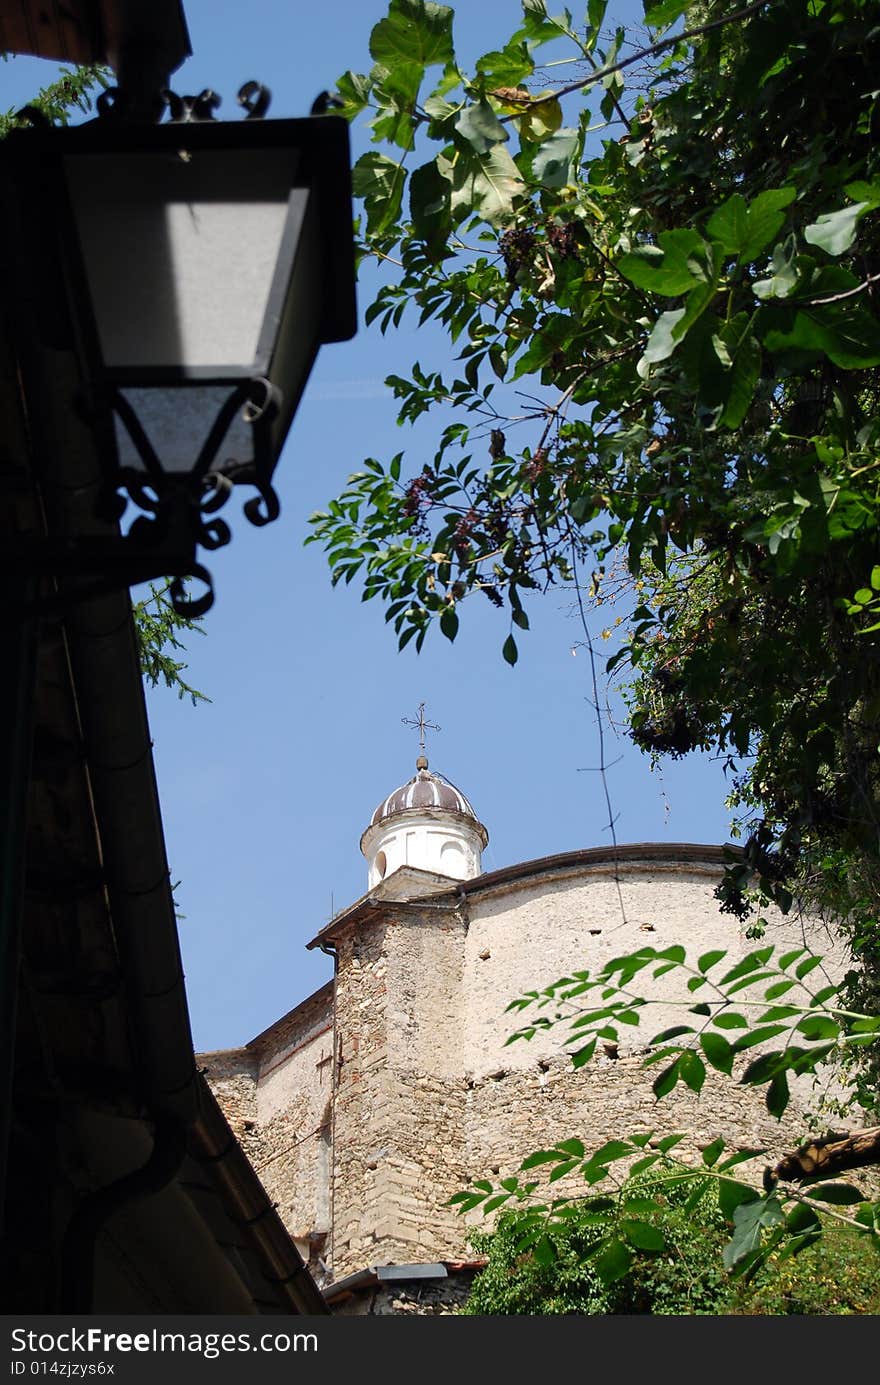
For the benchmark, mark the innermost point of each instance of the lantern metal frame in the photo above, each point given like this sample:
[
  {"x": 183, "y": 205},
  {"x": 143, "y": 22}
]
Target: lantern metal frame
[{"x": 314, "y": 272}]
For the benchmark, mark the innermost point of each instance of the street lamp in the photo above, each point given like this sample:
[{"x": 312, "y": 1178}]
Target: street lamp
[{"x": 202, "y": 264}]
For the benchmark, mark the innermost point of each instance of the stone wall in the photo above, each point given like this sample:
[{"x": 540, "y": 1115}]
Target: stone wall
[
  {"x": 426, "y": 1095},
  {"x": 363, "y": 1110},
  {"x": 232, "y": 1075},
  {"x": 445, "y": 1100},
  {"x": 294, "y": 1114},
  {"x": 526, "y": 934},
  {"x": 276, "y": 1094},
  {"x": 399, "y": 1107}
]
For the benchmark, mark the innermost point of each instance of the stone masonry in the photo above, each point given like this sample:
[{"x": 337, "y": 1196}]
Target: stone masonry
[{"x": 374, "y": 1100}]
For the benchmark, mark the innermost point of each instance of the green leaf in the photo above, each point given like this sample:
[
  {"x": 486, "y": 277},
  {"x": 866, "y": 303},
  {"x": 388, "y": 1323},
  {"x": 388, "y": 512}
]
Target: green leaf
[
  {"x": 537, "y": 23},
  {"x": 745, "y": 230},
  {"x": 596, "y": 13},
  {"x": 712, "y": 1152},
  {"x": 806, "y": 966},
  {"x": 675, "y": 1032},
  {"x": 848, "y": 335},
  {"x": 764, "y": 220},
  {"x": 668, "y": 1142},
  {"x": 661, "y": 343},
  {"x": 661, "y": 13},
  {"x": 353, "y": 88},
  {"x": 861, "y": 191},
  {"x": 480, "y": 126},
  {"x": 729, "y": 1019},
  {"x": 642, "y": 1235},
  {"x": 611, "y": 1151},
  {"x": 761, "y": 1069},
  {"x": 816, "y": 1027},
  {"x": 718, "y": 1051},
  {"x": 574, "y": 1148},
  {"x": 669, "y": 268},
  {"x": 544, "y": 1251},
  {"x": 379, "y": 181},
  {"x": 728, "y": 225},
  {"x": 778, "y": 1095},
  {"x": 429, "y": 203},
  {"x": 505, "y": 67},
  {"x": 676, "y": 953},
  {"x": 639, "y": 1206},
  {"x": 488, "y": 184},
  {"x": 835, "y": 231},
  {"x": 801, "y": 1219},
  {"x": 693, "y": 1069},
  {"x": 562, "y": 1170},
  {"x": 509, "y": 651},
  {"x": 742, "y": 1156},
  {"x": 751, "y": 962},
  {"x": 665, "y": 1081},
  {"x": 777, "y": 989},
  {"x": 614, "y": 1261},
  {"x": 783, "y": 263},
  {"x": 788, "y": 957},
  {"x": 551, "y": 164},
  {"x": 449, "y": 622},
  {"x": 732, "y": 1194},
  {"x": 838, "y": 1194},
  {"x": 413, "y": 31},
  {"x": 540, "y": 1156},
  {"x": 583, "y": 1055},
  {"x": 741, "y": 377},
  {"x": 710, "y": 959},
  {"x": 824, "y": 994},
  {"x": 749, "y": 1219},
  {"x": 495, "y": 1202}
]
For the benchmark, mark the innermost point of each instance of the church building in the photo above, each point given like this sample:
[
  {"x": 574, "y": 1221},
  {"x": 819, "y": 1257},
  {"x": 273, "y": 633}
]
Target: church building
[{"x": 371, "y": 1102}]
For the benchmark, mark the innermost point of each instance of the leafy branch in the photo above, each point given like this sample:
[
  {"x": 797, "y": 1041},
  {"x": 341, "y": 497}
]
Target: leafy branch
[
  {"x": 777, "y": 1220},
  {"x": 158, "y": 627},
  {"x": 732, "y": 1022}
]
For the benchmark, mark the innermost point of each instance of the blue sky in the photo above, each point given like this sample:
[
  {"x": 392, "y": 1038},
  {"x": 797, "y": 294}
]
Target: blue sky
[{"x": 266, "y": 791}]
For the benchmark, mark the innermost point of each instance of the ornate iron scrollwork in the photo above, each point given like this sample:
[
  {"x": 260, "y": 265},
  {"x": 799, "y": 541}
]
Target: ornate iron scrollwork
[
  {"x": 184, "y": 109},
  {"x": 253, "y": 97},
  {"x": 178, "y": 508}
]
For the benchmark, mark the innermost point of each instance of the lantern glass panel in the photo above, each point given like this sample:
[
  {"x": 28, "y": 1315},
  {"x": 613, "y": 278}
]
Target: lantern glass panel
[
  {"x": 177, "y": 421},
  {"x": 187, "y": 257}
]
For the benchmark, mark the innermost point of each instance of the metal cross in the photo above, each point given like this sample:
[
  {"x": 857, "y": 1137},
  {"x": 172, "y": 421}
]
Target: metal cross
[{"x": 422, "y": 725}]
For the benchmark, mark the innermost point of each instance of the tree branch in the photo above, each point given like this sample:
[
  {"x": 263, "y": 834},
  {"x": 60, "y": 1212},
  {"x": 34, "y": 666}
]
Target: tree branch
[
  {"x": 600, "y": 73},
  {"x": 829, "y": 1155},
  {"x": 839, "y": 297}
]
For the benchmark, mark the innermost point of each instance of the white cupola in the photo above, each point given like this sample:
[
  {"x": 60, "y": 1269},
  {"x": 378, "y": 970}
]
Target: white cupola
[{"x": 427, "y": 823}]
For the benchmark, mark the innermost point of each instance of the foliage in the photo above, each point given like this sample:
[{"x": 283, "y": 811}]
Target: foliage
[
  {"x": 685, "y": 1277},
  {"x": 676, "y": 256},
  {"x": 679, "y": 420},
  {"x": 766, "y": 997},
  {"x": 762, "y": 1008},
  {"x": 72, "y": 90},
  {"x": 157, "y": 627},
  {"x": 694, "y": 297}
]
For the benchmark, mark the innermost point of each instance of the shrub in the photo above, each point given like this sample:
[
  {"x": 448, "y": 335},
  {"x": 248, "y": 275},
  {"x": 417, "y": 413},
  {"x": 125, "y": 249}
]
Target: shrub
[{"x": 839, "y": 1275}]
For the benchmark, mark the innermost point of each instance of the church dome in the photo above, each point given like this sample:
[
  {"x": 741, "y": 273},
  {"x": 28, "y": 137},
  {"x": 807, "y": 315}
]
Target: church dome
[
  {"x": 426, "y": 789},
  {"x": 426, "y": 823}
]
